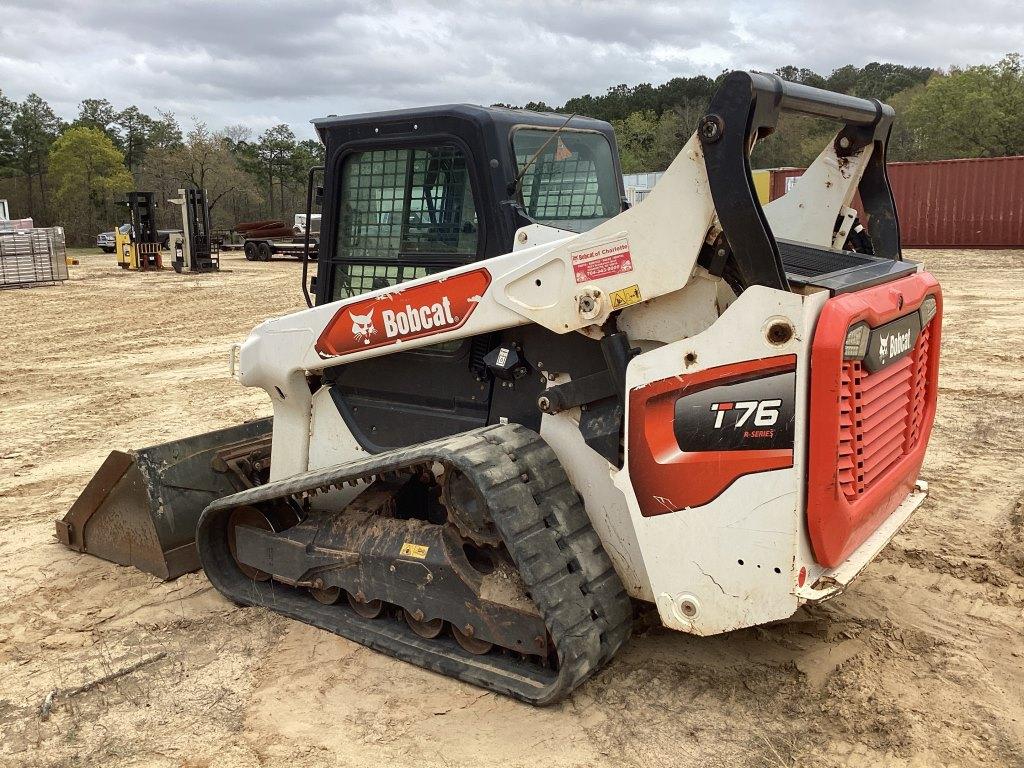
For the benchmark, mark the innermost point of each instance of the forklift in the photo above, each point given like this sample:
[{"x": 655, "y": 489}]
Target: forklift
[
  {"x": 137, "y": 243},
  {"x": 195, "y": 249}
]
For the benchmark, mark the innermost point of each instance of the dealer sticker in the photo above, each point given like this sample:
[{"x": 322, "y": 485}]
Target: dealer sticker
[{"x": 601, "y": 260}]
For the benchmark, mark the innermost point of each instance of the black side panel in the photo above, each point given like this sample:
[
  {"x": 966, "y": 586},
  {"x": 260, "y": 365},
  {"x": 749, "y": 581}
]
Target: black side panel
[
  {"x": 409, "y": 397},
  {"x": 546, "y": 352},
  {"x": 571, "y": 353},
  {"x": 751, "y": 415}
]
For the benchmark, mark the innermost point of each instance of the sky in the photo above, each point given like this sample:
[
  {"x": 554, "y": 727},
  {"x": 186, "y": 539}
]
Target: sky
[{"x": 257, "y": 63}]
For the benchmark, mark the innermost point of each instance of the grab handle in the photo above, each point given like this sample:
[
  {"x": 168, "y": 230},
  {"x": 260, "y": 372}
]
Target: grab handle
[{"x": 746, "y": 108}]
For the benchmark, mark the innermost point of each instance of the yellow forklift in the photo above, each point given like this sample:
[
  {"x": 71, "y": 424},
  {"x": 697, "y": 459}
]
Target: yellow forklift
[{"x": 137, "y": 243}]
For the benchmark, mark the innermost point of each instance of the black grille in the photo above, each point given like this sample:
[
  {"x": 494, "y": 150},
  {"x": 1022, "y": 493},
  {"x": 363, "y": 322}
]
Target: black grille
[{"x": 808, "y": 261}]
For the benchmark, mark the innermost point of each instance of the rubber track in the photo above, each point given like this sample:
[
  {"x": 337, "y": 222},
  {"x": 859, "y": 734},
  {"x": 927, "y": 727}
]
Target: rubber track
[{"x": 544, "y": 527}]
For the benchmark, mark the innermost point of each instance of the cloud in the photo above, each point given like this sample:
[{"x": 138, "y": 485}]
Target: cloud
[{"x": 260, "y": 62}]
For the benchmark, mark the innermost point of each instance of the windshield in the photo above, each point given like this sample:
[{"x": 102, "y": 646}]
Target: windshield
[{"x": 571, "y": 183}]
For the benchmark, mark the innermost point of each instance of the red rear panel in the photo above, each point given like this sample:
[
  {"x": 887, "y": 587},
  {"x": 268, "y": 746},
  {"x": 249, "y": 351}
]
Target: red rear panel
[
  {"x": 669, "y": 477},
  {"x": 868, "y": 430}
]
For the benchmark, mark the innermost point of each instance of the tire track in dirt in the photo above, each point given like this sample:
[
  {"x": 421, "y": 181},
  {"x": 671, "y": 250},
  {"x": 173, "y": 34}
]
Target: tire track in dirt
[{"x": 914, "y": 666}]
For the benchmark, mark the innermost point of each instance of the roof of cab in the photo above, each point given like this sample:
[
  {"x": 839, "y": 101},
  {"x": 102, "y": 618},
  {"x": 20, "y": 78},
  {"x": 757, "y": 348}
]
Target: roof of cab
[{"x": 491, "y": 116}]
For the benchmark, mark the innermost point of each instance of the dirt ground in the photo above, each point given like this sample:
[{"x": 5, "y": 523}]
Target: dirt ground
[{"x": 920, "y": 663}]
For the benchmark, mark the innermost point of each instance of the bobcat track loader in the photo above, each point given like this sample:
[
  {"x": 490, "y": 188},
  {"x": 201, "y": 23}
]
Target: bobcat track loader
[{"x": 515, "y": 407}]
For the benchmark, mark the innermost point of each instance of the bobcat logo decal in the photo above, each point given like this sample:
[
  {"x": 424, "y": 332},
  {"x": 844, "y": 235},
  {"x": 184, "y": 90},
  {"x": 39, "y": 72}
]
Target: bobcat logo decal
[
  {"x": 403, "y": 314},
  {"x": 894, "y": 345},
  {"x": 363, "y": 327}
]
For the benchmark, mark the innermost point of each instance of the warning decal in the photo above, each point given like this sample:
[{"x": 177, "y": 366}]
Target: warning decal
[
  {"x": 602, "y": 260},
  {"x": 414, "y": 550},
  {"x": 625, "y": 297}
]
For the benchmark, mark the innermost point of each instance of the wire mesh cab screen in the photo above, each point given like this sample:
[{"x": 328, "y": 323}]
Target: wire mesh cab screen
[
  {"x": 571, "y": 183},
  {"x": 404, "y": 213}
]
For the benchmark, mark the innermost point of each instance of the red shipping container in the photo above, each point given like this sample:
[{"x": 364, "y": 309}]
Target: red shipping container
[{"x": 970, "y": 203}]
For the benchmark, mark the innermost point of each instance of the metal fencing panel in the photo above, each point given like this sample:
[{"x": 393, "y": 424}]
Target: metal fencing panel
[{"x": 32, "y": 256}]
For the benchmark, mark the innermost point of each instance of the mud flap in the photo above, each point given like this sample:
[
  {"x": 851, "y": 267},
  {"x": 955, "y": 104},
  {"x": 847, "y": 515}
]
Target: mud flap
[{"x": 141, "y": 508}]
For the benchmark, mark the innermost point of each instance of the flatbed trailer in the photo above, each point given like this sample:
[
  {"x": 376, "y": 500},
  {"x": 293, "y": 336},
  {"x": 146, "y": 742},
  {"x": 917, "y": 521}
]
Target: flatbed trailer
[{"x": 263, "y": 248}]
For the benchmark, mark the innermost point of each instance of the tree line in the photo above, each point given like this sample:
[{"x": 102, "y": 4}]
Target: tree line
[
  {"x": 72, "y": 173},
  {"x": 975, "y": 111}
]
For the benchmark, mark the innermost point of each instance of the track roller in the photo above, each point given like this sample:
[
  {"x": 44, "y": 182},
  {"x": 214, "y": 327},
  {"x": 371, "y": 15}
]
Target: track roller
[
  {"x": 472, "y": 644},
  {"x": 421, "y": 626},
  {"x": 368, "y": 609},
  {"x": 326, "y": 595}
]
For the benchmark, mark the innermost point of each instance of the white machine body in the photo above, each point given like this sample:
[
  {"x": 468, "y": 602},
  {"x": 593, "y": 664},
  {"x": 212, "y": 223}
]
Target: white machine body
[{"x": 741, "y": 558}]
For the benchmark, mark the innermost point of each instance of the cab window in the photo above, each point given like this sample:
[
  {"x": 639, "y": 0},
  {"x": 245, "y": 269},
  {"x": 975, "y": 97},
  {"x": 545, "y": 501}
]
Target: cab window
[
  {"x": 571, "y": 183},
  {"x": 404, "y": 213}
]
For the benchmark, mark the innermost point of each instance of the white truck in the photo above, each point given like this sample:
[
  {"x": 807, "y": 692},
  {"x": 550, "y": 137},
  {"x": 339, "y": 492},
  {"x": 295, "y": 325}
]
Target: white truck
[{"x": 299, "y": 227}]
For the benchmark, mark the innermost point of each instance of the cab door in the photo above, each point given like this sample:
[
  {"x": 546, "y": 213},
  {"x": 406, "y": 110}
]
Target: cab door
[{"x": 403, "y": 213}]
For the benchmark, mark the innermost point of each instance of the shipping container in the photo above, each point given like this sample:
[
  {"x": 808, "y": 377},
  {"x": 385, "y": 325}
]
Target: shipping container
[
  {"x": 970, "y": 203},
  {"x": 762, "y": 185}
]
